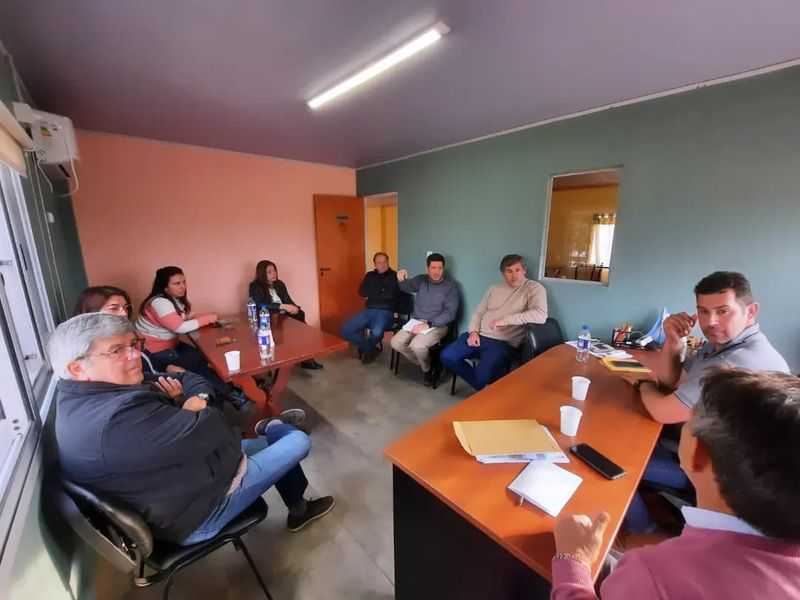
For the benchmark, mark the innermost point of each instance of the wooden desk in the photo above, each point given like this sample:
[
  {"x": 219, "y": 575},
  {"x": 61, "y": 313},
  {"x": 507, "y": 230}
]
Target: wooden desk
[
  {"x": 294, "y": 342},
  {"x": 459, "y": 533}
]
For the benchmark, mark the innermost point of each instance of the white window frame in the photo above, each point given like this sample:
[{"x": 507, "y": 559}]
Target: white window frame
[
  {"x": 28, "y": 283},
  {"x": 25, "y": 375},
  {"x": 546, "y": 232}
]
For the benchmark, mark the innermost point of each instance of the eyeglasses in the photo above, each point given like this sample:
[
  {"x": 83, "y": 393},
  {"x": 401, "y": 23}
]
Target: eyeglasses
[{"x": 123, "y": 351}]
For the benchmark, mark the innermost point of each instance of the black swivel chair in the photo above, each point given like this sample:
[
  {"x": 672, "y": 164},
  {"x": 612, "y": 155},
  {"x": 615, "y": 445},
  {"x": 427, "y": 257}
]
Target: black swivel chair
[
  {"x": 539, "y": 338},
  {"x": 435, "y": 352},
  {"x": 404, "y": 306},
  {"x": 122, "y": 537}
]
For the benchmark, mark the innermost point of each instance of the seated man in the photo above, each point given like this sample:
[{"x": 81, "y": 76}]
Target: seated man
[
  {"x": 498, "y": 325},
  {"x": 740, "y": 450},
  {"x": 727, "y": 315},
  {"x": 181, "y": 467},
  {"x": 379, "y": 287},
  {"x": 435, "y": 307}
]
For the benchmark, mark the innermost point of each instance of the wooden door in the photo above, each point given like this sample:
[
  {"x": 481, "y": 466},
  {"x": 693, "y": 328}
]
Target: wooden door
[{"x": 340, "y": 258}]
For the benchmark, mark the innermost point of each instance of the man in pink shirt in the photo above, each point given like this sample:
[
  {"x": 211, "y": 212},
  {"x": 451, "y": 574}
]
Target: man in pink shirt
[{"x": 741, "y": 450}]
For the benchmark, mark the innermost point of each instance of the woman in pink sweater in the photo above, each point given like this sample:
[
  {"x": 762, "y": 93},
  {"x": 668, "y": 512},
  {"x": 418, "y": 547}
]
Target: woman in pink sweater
[
  {"x": 165, "y": 315},
  {"x": 741, "y": 450}
]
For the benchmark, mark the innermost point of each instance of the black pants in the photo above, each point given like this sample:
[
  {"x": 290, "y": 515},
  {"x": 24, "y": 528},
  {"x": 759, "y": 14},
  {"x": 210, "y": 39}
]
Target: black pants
[
  {"x": 191, "y": 359},
  {"x": 300, "y": 316}
]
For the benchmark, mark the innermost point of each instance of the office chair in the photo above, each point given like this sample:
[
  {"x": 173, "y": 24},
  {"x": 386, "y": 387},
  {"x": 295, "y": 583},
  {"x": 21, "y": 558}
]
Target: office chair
[
  {"x": 122, "y": 537},
  {"x": 404, "y": 306},
  {"x": 435, "y": 352},
  {"x": 539, "y": 338}
]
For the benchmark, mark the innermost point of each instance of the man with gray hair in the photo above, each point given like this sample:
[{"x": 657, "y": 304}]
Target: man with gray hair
[
  {"x": 498, "y": 325},
  {"x": 172, "y": 459}
]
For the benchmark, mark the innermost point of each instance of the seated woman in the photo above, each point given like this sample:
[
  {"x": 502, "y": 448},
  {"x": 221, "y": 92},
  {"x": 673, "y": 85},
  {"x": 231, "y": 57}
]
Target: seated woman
[
  {"x": 267, "y": 290},
  {"x": 114, "y": 301},
  {"x": 166, "y": 314}
]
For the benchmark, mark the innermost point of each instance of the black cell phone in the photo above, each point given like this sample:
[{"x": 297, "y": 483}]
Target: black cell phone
[{"x": 597, "y": 461}]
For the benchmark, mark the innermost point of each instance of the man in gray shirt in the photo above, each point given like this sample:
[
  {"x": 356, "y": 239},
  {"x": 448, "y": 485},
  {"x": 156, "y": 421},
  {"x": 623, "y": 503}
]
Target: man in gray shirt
[
  {"x": 435, "y": 307},
  {"x": 727, "y": 316}
]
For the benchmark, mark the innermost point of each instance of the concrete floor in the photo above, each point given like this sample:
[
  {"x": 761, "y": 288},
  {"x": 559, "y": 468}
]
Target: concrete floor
[{"x": 354, "y": 411}]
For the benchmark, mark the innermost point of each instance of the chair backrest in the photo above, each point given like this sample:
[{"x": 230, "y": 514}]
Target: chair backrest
[
  {"x": 115, "y": 532},
  {"x": 404, "y": 305},
  {"x": 540, "y": 338}
]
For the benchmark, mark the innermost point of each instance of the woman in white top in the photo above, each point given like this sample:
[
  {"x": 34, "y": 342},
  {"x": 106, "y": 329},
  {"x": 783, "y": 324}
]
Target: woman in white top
[{"x": 267, "y": 290}]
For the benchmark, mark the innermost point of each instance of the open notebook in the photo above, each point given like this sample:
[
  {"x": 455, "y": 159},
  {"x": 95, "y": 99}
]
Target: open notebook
[{"x": 546, "y": 486}]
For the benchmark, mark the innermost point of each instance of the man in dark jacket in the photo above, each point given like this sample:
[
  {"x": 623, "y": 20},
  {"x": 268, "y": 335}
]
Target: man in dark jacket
[
  {"x": 436, "y": 304},
  {"x": 379, "y": 287},
  {"x": 169, "y": 457}
]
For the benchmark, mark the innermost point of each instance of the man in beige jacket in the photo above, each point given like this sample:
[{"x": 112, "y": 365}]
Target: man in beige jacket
[{"x": 498, "y": 325}]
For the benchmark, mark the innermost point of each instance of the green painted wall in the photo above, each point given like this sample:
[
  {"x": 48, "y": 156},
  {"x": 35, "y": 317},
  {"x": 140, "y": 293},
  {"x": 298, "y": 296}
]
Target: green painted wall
[{"x": 711, "y": 180}]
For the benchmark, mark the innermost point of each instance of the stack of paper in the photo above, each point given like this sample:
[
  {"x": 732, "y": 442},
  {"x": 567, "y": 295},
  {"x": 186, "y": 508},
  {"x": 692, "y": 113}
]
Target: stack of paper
[
  {"x": 601, "y": 350},
  {"x": 411, "y": 323},
  {"x": 546, "y": 486},
  {"x": 521, "y": 440}
]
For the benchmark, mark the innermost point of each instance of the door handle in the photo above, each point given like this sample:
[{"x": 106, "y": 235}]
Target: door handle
[{"x": 321, "y": 269}]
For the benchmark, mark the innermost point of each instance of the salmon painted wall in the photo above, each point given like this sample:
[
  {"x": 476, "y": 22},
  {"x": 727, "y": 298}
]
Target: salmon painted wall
[{"x": 143, "y": 204}]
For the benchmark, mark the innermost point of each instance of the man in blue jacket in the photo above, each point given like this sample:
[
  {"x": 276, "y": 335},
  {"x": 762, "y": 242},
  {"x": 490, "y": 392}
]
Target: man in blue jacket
[
  {"x": 436, "y": 303},
  {"x": 170, "y": 457}
]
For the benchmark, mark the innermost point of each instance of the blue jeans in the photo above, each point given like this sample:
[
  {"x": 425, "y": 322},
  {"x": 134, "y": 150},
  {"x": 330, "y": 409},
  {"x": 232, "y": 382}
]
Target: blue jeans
[
  {"x": 663, "y": 469},
  {"x": 271, "y": 460},
  {"x": 376, "y": 320},
  {"x": 494, "y": 355}
]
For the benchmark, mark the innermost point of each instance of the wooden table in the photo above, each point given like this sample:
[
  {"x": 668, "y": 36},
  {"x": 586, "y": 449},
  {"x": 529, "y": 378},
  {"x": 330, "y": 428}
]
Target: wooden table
[
  {"x": 459, "y": 533},
  {"x": 294, "y": 343}
]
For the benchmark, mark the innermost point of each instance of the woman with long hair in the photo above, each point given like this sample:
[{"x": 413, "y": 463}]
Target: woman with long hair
[
  {"x": 105, "y": 299},
  {"x": 267, "y": 290},
  {"x": 165, "y": 315}
]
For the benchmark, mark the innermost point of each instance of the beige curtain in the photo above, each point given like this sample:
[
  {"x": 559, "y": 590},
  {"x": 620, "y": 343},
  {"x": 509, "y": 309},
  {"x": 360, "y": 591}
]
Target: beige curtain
[{"x": 10, "y": 152}]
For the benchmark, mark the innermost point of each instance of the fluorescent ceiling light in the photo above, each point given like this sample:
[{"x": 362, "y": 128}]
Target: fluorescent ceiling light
[{"x": 422, "y": 41}]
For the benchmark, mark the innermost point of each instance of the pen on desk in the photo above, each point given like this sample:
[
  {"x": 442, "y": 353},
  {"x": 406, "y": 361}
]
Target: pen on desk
[{"x": 520, "y": 501}]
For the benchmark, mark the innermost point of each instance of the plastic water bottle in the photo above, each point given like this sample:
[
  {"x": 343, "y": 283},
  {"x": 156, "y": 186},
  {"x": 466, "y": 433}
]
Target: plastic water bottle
[
  {"x": 263, "y": 318},
  {"x": 264, "y": 343},
  {"x": 584, "y": 343},
  {"x": 252, "y": 312}
]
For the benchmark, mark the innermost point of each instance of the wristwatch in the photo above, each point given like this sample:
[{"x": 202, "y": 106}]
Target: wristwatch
[{"x": 204, "y": 396}]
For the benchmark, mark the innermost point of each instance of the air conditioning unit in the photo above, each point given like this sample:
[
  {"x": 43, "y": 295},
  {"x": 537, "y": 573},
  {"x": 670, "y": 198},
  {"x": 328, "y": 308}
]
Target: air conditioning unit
[{"x": 53, "y": 139}]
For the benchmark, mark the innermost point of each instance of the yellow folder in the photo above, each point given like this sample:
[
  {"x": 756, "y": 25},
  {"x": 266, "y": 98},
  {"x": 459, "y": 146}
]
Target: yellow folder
[{"x": 525, "y": 439}]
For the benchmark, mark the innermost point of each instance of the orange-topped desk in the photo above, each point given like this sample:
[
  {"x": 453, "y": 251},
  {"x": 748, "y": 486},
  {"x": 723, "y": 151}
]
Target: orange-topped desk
[{"x": 459, "y": 533}]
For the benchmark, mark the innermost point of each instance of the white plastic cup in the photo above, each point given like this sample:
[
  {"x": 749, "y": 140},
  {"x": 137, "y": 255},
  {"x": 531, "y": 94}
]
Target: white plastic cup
[
  {"x": 580, "y": 387},
  {"x": 233, "y": 360},
  {"x": 570, "y": 419}
]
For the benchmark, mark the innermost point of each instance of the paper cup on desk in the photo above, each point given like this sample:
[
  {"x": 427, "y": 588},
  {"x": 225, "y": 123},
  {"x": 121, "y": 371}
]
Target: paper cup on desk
[
  {"x": 570, "y": 419},
  {"x": 580, "y": 387},
  {"x": 232, "y": 359}
]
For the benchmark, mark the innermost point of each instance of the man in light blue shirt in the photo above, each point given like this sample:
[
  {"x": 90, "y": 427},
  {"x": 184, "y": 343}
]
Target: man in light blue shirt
[{"x": 727, "y": 316}]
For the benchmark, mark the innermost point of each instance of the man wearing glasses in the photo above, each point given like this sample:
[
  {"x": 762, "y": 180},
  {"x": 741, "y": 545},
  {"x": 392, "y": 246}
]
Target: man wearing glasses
[{"x": 169, "y": 457}]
